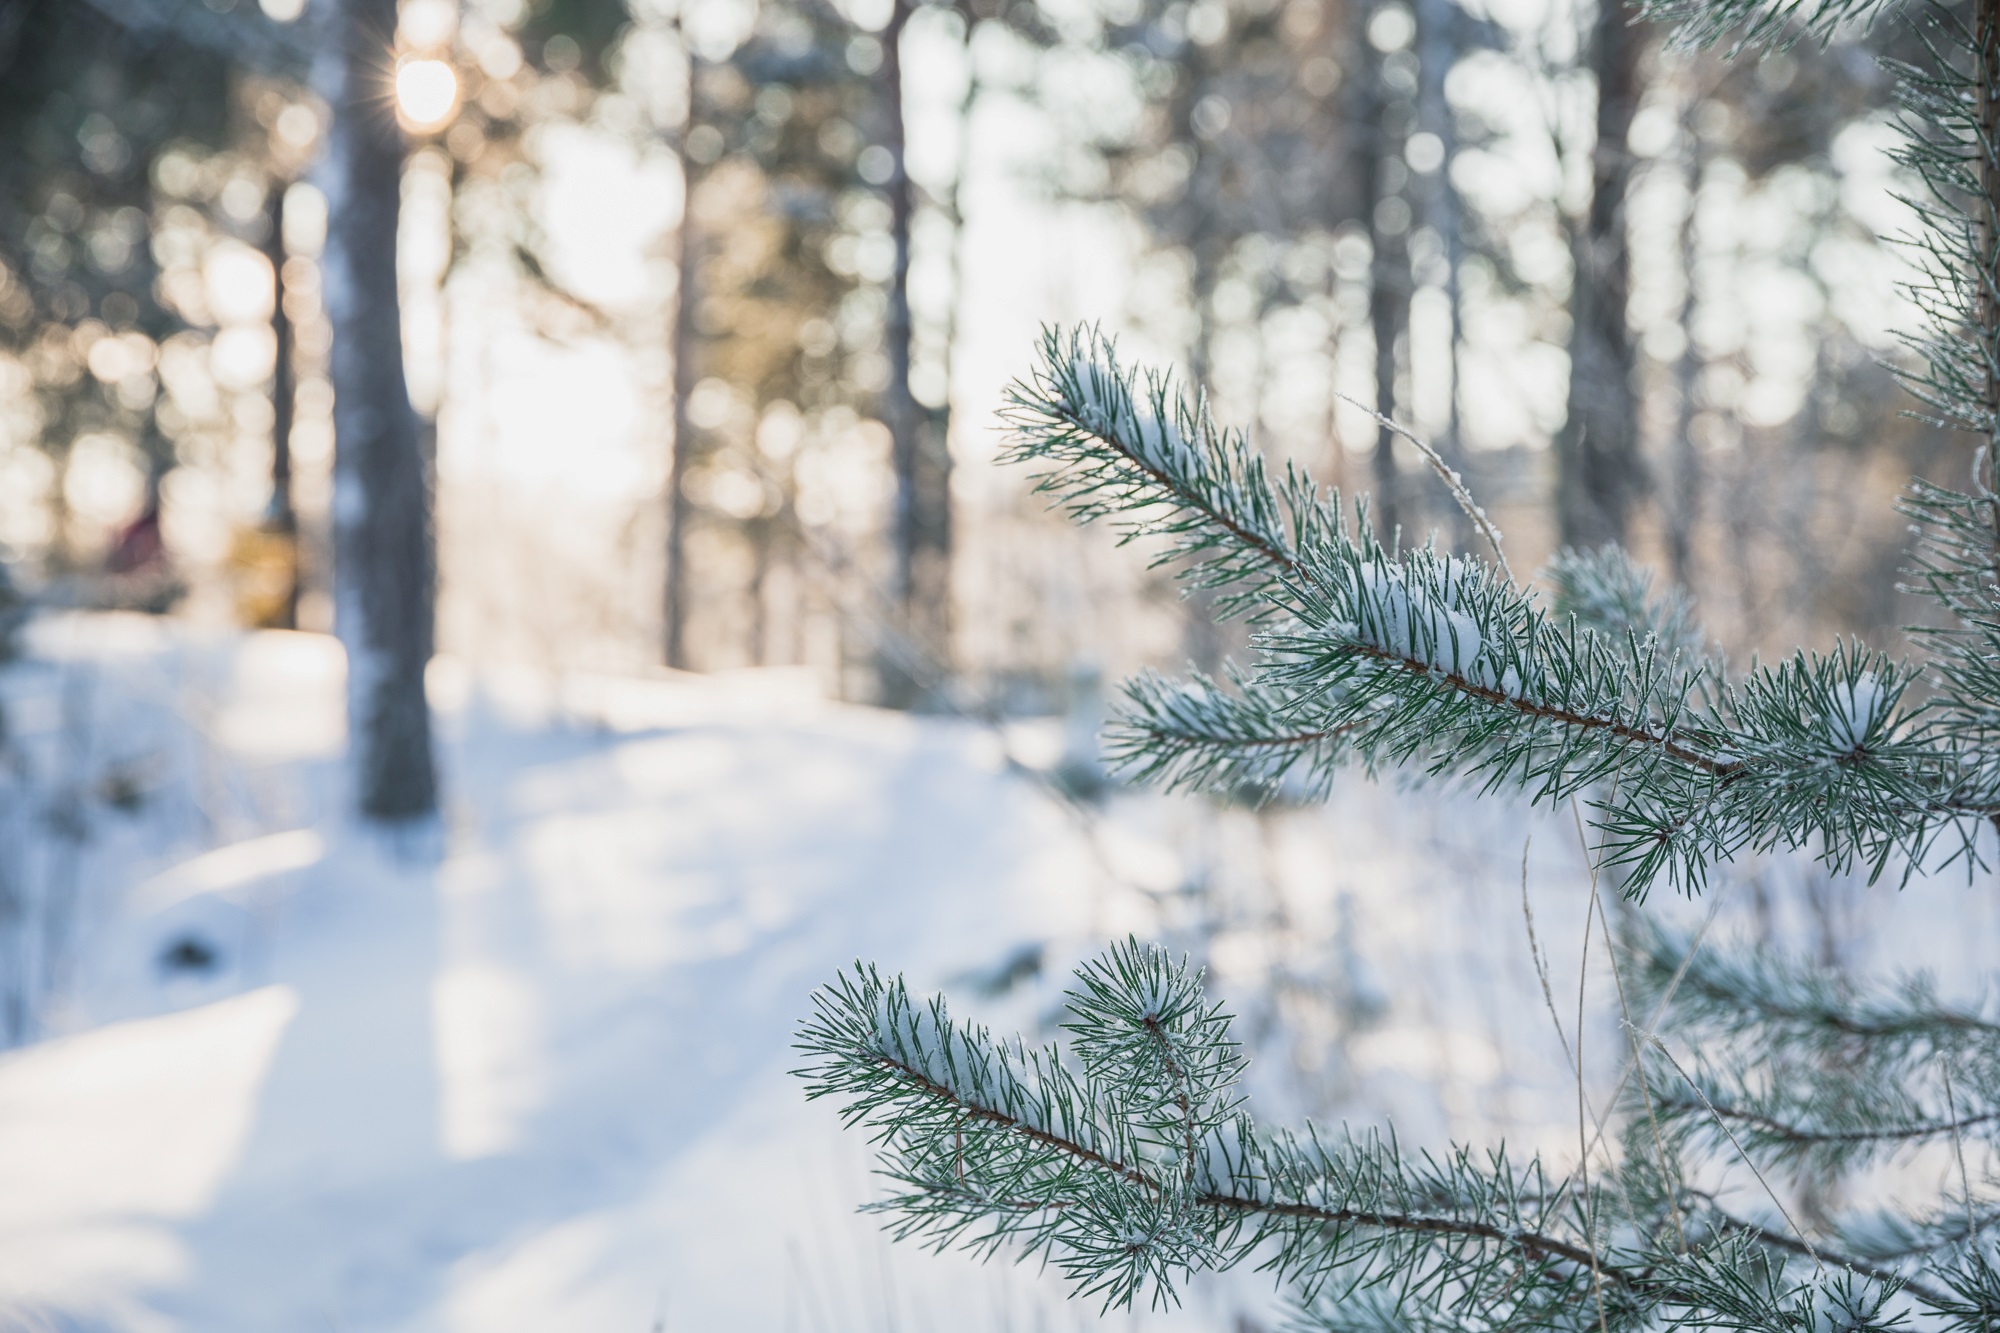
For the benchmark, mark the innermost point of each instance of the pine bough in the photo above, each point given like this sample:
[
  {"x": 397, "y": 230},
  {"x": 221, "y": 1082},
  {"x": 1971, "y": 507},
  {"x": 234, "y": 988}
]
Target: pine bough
[
  {"x": 1129, "y": 1163},
  {"x": 1128, "y": 1160}
]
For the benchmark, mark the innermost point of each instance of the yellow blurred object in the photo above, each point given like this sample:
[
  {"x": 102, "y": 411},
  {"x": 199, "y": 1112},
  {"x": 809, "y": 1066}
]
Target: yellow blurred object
[{"x": 263, "y": 572}]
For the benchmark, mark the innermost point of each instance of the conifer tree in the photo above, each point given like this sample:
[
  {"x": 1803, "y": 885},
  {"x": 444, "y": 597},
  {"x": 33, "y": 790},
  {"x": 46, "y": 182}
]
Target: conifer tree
[{"x": 1127, "y": 1158}]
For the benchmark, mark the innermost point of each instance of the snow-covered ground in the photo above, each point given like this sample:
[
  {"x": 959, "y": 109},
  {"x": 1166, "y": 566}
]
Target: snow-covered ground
[
  {"x": 531, "y": 1073},
  {"x": 533, "y": 1076}
]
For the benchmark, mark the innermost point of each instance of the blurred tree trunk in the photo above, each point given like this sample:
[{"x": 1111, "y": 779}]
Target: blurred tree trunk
[
  {"x": 282, "y": 517},
  {"x": 1684, "y": 511},
  {"x": 677, "y": 502},
  {"x": 1384, "y": 120},
  {"x": 1598, "y": 470},
  {"x": 1437, "y": 51},
  {"x": 1203, "y": 643},
  {"x": 1205, "y": 233},
  {"x": 686, "y": 301},
  {"x": 383, "y": 553},
  {"x": 922, "y": 463}
]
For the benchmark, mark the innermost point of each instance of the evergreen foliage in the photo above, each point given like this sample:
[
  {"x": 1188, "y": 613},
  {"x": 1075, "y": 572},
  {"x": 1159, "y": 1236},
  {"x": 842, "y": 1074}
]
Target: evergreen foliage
[
  {"x": 1418, "y": 659},
  {"x": 1129, "y": 1161}
]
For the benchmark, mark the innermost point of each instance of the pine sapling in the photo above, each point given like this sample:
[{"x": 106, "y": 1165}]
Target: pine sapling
[{"x": 1125, "y": 1155}]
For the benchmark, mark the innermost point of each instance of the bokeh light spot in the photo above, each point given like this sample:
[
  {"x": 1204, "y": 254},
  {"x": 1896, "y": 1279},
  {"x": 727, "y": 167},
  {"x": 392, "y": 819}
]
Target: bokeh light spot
[{"x": 426, "y": 92}]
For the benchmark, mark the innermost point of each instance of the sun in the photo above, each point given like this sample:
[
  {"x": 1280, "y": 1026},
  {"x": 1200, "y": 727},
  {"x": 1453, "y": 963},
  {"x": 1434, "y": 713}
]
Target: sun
[{"x": 426, "y": 92}]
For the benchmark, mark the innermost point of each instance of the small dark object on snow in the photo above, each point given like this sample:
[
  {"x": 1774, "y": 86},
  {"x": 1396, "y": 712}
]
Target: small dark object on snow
[
  {"x": 125, "y": 786},
  {"x": 190, "y": 953}
]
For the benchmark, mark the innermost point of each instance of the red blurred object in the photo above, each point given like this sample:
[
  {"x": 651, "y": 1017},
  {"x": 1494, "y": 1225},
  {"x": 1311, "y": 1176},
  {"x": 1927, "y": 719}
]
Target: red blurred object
[{"x": 139, "y": 546}]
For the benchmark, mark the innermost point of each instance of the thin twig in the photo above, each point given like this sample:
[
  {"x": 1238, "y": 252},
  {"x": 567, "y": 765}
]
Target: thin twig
[
  {"x": 1582, "y": 1138},
  {"x": 1958, "y": 1143},
  {"x": 1452, "y": 481},
  {"x": 1798, "y": 1231},
  {"x": 1541, "y": 962},
  {"x": 1666, "y": 998}
]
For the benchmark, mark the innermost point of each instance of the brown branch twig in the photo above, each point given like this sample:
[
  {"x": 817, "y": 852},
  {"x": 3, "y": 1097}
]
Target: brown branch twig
[
  {"x": 1929, "y": 1295},
  {"x": 1296, "y": 738},
  {"x": 1533, "y": 1244}
]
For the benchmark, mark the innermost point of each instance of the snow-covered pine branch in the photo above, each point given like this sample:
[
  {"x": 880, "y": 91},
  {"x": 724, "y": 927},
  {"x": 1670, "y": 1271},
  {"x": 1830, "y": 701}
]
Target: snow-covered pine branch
[
  {"x": 1419, "y": 659},
  {"x": 1128, "y": 1162},
  {"x": 1249, "y": 738},
  {"x": 1111, "y": 444}
]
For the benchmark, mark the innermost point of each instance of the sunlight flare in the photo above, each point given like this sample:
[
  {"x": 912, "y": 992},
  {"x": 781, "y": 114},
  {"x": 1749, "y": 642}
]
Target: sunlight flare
[{"x": 426, "y": 92}]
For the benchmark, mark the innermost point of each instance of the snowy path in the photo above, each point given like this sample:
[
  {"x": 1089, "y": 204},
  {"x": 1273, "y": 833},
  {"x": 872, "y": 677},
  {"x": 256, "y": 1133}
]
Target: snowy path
[{"x": 538, "y": 1081}]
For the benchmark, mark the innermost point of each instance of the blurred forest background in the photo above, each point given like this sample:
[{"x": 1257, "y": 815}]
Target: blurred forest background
[
  {"x": 614, "y": 335},
  {"x": 706, "y": 311}
]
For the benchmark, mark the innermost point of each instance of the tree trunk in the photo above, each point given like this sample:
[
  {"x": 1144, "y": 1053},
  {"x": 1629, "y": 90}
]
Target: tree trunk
[
  {"x": 922, "y": 463},
  {"x": 678, "y": 508},
  {"x": 1598, "y": 470},
  {"x": 1437, "y": 51},
  {"x": 282, "y": 517},
  {"x": 687, "y": 299},
  {"x": 1684, "y": 510},
  {"x": 383, "y": 552},
  {"x": 1384, "y": 125},
  {"x": 1202, "y": 641}
]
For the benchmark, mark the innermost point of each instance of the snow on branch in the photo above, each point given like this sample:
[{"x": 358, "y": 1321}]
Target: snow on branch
[
  {"x": 1114, "y": 444},
  {"x": 1252, "y": 740}
]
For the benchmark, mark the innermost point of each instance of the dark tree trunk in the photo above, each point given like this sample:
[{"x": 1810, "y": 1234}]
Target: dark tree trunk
[
  {"x": 1384, "y": 123},
  {"x": 686, "y": 298},
  {"x": 923, "y": 465},
  {"x": 1684, "y": 511},
  {"x": 1598, "y": 471},
  {"x": 282, "y": 518},
  {"x": 1437, "y": 51},
  {"x": 383, "y": 554},
  {"x": 1202, "y": 640}
]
